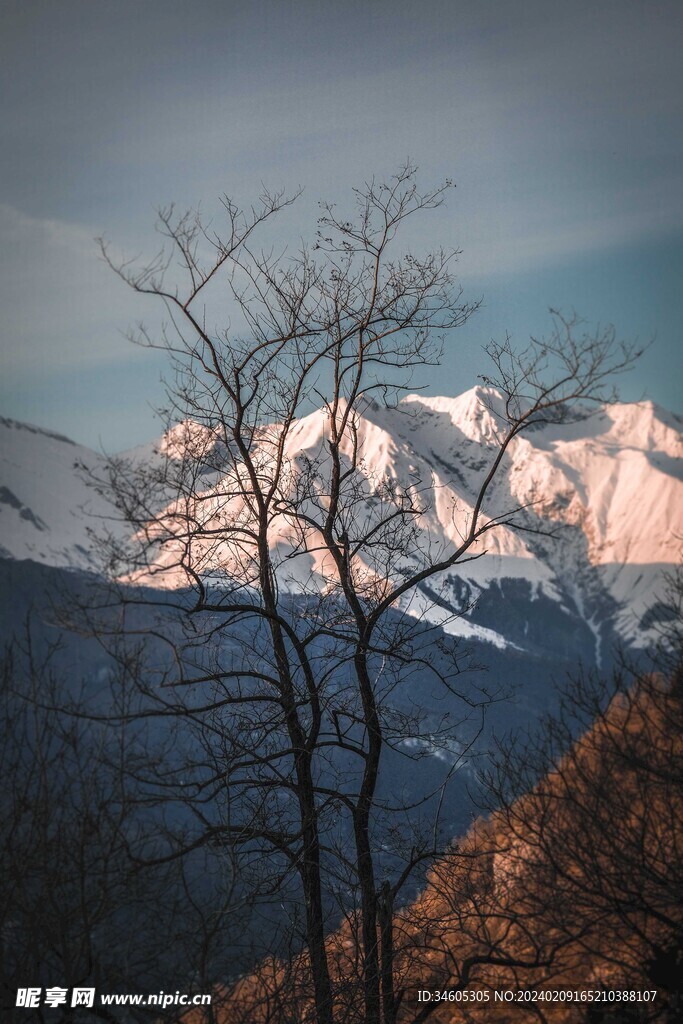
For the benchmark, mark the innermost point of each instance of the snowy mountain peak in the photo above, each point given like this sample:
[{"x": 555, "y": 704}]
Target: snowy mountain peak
[
  {"x": 187, "y": 438},
  {"x": 45, "y": 505},
  {"x": 9, "y": 424},
  {"x": 478, "y": 413},
  {"x": 611, "y": 481},
  {"x": 646, "y": 426}
]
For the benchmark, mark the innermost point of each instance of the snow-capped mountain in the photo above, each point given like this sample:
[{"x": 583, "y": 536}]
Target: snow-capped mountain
[
  {"x": 45, "y": 505},
  {"x": 609, "y": 485}
]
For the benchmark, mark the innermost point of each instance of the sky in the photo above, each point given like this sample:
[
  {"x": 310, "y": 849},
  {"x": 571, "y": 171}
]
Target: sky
[{"x": 560, "y": 124}]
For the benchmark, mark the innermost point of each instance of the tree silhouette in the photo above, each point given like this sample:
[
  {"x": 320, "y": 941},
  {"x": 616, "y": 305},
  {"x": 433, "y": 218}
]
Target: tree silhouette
[{"x": 301, "y": 700}]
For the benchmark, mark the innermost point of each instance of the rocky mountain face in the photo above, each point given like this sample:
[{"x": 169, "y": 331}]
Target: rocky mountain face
[{"x": 600, "y": 521}]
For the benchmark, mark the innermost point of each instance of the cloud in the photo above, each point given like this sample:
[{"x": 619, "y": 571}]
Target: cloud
[
  {"x": 528, "y": 238},
  {"x": 61, "y": 305}
]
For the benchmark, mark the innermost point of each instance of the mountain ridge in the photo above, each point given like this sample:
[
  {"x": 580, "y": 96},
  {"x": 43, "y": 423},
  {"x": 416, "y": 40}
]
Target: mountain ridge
[{"x": 609, "y": 483}]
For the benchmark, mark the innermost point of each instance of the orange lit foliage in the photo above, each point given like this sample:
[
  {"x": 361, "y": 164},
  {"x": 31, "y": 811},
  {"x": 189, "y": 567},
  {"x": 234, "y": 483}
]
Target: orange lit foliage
[{"x": 576, "y": 885}]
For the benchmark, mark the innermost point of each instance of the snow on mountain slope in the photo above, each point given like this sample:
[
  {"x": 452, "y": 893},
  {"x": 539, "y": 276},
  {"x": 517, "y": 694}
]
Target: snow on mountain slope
[
  {"x": 611, "y": 482},
  {"x": 45, "y": 506},
  {"x": 609, "y": 485},
  {"x": 48, "y": 511}
]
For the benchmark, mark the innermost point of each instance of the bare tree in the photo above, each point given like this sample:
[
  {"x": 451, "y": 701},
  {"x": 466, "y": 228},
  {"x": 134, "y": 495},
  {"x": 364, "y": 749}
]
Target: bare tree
[
  {"x": 572, "y": 882},
  {"x": 299, "y": 698},
  {"x": 77, "y": 906}
]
